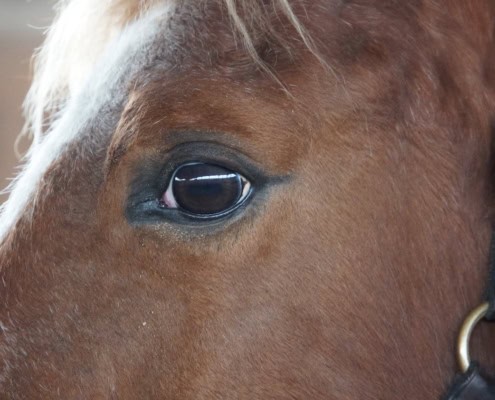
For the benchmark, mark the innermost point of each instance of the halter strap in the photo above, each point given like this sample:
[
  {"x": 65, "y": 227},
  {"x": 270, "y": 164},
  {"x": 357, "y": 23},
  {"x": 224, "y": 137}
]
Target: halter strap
[{"x": 472, "y": 385}]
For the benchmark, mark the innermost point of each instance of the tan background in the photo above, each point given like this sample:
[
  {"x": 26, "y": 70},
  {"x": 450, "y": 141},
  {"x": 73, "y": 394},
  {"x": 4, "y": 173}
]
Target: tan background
[{"x": 21, "y": 30}]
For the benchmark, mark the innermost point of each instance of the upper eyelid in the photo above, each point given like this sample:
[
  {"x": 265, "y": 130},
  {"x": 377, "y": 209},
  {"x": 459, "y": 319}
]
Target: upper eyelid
[{"x": 216, "y": 153}]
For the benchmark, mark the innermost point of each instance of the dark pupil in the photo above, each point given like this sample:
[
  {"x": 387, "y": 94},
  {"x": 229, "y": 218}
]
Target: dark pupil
[{"x": 206, "y": 189}]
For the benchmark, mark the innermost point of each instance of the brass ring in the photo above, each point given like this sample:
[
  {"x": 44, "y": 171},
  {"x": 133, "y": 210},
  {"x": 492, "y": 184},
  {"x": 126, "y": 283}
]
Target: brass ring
[{"x": 465, "y": 335}]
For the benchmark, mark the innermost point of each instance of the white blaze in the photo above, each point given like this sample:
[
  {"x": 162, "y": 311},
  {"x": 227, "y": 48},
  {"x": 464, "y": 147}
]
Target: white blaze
[{"x": 103, "y": 85}]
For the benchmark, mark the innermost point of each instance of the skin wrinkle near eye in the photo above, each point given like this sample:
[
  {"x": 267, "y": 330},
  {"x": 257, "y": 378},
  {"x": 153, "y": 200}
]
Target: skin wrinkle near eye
[
  {"x": 153, "y": 117},
  {"x": 133, "y": 127},
  {"x": 175, "y": 139}
]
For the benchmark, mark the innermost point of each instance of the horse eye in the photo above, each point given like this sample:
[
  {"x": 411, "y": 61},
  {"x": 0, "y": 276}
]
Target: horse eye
[{"x": 205, "y": 190}]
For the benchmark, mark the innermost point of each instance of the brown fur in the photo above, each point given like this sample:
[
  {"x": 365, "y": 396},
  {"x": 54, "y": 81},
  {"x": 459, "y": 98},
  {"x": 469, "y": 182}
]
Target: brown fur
[{"x": 347, "y": 281}]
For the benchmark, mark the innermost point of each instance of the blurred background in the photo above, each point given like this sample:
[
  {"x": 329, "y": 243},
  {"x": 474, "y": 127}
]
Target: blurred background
[{"x": 22, "y": 23}]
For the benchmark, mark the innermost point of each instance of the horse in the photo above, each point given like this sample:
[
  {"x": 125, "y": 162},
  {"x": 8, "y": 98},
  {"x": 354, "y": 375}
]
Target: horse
[{"x": 258, "y": 199}]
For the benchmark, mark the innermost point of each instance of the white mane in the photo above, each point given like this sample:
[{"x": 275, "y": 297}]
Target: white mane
[
  {"x": 72, "y": 83},
  {"x": 73, "y": 45}
]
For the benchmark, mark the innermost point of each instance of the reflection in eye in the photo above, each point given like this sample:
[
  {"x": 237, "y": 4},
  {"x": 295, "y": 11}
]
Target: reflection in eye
[{"x": 205, "y": 189}]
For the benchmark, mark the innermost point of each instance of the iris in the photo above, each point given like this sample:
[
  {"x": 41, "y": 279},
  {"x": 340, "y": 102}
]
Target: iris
[{"x": 205, "y": 189}]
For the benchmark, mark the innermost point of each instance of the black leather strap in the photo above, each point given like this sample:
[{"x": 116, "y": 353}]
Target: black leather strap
[{"x": 471, "y": 386}]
